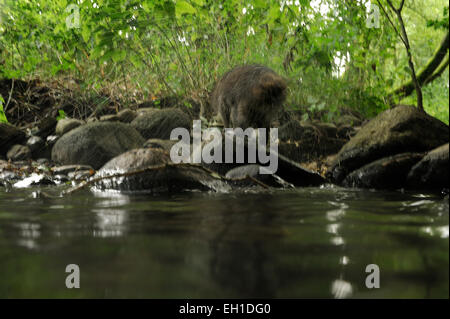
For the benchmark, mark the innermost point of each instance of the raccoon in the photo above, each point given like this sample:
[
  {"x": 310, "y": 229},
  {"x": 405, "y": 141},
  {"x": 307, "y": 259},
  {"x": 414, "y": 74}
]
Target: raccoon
[{"x": 249, "y": 96}]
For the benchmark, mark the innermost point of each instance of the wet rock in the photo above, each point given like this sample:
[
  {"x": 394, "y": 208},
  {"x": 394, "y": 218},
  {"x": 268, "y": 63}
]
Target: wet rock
[
  {"x": 95, "y": 143},
  {"x": 66, "y": 169},
  {"x": 386, "y": 173},
  {"x": 163, "y": 179},
  {"x": 33, "y": 180},
  {"x": 432, "y": 170},
  {"x": 399, "y": 130},
  {"x": 159, "y": 143},
  {"x": 65, "y": 125},
  {"x": 9, "y": 136},
  {"x": 296, "y": 175},
  {"x": 160, "y": 123},
  {"x": 19, "y": 153},
  {"x": 253, "y": 170},
  {"x": 46, "y": 127}
]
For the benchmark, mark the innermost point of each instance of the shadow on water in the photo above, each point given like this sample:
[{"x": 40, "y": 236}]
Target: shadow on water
[{"x": 310, "y": 242}]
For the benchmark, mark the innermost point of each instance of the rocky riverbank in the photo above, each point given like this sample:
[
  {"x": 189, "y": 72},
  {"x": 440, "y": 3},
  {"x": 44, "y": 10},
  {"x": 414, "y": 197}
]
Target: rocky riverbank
[{"x": 401, "y": 148}]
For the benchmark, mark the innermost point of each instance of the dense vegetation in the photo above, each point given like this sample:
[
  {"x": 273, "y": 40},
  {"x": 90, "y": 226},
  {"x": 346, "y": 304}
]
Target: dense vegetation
[{"x": 336, "y": 54}]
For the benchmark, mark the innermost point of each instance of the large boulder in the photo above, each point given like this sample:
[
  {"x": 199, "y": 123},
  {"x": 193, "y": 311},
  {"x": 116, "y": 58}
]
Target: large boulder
[
  {"x": 432, "y": 171},
  {"x": 402, "y": 129},
  {"x": 148, "y": 169},
  {"x": 386, "y": 173},
  {"x": 95, "y": 143},
  {"x": 9, "y": 136},
  {"x": 160, "y": 123}
]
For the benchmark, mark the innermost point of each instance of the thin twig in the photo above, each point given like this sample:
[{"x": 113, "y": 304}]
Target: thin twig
[{"x": 10, "y": 93}]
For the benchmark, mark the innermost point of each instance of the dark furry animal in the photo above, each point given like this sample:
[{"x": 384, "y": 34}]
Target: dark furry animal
[{"x": 249, "y": 96}]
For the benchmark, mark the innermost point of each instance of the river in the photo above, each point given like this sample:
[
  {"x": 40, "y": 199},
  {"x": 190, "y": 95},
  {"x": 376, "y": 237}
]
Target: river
[{"x": 302, "y": 243}]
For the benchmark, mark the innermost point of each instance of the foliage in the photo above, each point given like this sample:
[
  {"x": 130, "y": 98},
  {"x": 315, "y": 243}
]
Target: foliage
[
  {"x": 2, "y": 112},
  {"x": 61, "y": 115},
  {"x": 166, "y": 47}
]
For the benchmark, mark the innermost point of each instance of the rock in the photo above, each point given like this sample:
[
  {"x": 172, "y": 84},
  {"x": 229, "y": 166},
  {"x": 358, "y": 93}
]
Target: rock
[
  {"x": 19, "y": 153},
  {"x": 9, "y": 136},
  {"x": 46, "y": 127},
  {"x": 66, "y": 169},
  {"x": 252, "y": 170},
  {"x": 126, "y": 115},
  {"x": 65, "y": 125},
  {"x": 158, "y": 143},
  {"x": 37, "y": 147},
  {"x": 431, "y": 172},
  {"x": 296, "y": 175},
  {"x": 33, "y": 180},
  {"x": 159, "y": 124},
  {"x": 95, "y": 143},
  {"x": 163, "y": 179},
  {"x": 35, "y": 143},
  {"x": 386, "y": 173},
  {"x": 399, "y": 130},
  {"x": 51, "y": 139}
]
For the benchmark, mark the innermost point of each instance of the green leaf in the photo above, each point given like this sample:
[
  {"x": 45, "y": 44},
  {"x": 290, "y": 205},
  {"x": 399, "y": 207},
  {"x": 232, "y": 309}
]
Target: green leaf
[
  {"x": 183, "y": 7},
  {"x": 199, "y": 2},
  {"x": 3, "y": 118},
  {"x": 85, "y": 32},
  {"x": 61, "y": 116}
]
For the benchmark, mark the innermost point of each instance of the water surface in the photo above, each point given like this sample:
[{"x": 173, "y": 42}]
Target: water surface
[{"x": 303, "y": 243}]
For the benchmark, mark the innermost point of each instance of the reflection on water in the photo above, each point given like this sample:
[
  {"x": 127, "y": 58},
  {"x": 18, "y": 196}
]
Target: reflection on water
[{"x": 313, "y": 243}]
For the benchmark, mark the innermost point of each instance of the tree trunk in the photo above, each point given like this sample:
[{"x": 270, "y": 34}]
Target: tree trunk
[{"x": 432, "y": 70}]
